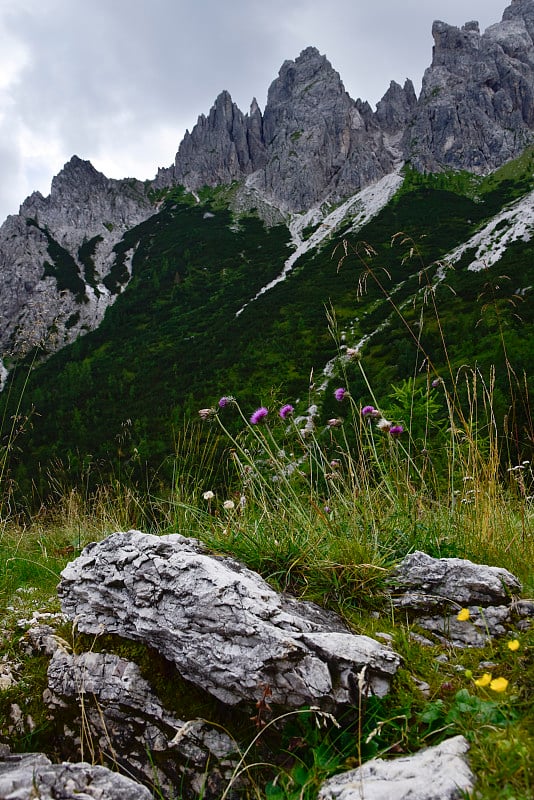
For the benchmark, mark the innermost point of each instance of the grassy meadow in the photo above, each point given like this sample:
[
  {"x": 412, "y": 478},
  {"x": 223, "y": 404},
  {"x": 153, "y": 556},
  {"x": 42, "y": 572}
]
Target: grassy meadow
[
  {"x": 419, "y": 440},
  {"x": 323, "y": 510}
]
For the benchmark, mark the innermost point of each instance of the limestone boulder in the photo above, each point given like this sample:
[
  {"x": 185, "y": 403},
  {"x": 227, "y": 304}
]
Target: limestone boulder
[
  {"x": 109, "y": 709},
  {"x": 225, "y": 629},
  {"x": 432, "y": 591}
]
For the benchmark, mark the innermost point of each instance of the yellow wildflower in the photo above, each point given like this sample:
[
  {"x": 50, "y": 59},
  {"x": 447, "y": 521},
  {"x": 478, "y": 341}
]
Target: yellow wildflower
[
  {"x": 499, "y": 684},
  {"x": 513, "y": 644},
  {"x": 485, "y": 680},
  {"x": 463, "y": 615}
]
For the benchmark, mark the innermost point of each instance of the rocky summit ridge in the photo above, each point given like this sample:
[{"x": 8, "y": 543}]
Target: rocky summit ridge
[
  {"x": 313, "y": 142},
  {"x": 65, "y": 258}
]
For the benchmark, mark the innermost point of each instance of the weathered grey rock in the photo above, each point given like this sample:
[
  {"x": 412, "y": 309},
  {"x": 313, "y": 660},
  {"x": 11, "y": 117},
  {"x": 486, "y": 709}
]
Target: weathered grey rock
[
  {"x": 483, "y": 624},
  {"x": 476, "y": 107},
  {"x": 218, "y": 150},
  {"x": 41, "y": 639},
  {"x": 319, "y": 142},
  {"x": 313, "y": 141},
  {"x": 32, "y": 775},
  {"x": 436, "y": 773},
  {"x": 396, "y": 108},
  {"x": 457, "y": 580},
  {"x": 432, "y": 591},
  {"x": 104, "y": 700},
  {"x": 47, "y": 282},
  {"x": 222, "y": 625}
]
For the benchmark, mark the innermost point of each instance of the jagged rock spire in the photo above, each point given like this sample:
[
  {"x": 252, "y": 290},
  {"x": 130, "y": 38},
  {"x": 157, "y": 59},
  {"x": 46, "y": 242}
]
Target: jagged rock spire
[
  {"x": 396, "y": 108},
  {"x": 311, "y": 140},
  {"x": 476, "y": 108},
  {"x": 218, "y": 150}
]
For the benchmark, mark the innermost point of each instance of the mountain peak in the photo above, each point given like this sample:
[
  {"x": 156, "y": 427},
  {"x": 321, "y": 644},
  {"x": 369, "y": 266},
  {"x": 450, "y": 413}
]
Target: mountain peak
[
  {"x": 308, "y": 54},
  {"x": 76, "y": 177},
  {"x": 476, "y": 108},
  {"x": 79, "y": 165},
  {"x": 313, "y": 141},
  {"x": 308, "y": 74}
]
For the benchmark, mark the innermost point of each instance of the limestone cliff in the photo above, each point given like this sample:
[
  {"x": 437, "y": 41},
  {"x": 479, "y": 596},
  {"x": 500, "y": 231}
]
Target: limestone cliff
[
  {"x": 313, "y": 141},
  {"x": 57, "y": 256},
  {"x": 476, "y": 108}
]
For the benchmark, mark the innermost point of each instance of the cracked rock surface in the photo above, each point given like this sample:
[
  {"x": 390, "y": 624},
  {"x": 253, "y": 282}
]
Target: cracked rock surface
[
  {"x": 105, "y": 697},
  {"x": 436, "y": 773},
  {"x": 221, "y": 624},
  {"x": 32, "y": 775},
  {"x": 431, "y": 591}
]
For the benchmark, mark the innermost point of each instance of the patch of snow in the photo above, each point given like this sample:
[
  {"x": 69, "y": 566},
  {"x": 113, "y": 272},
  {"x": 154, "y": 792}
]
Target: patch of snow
[
  {"x": 373, "y": 198},
  {"x": 3, "y": 375},
  {"x": 491, "y": 241},
  {"x": 361, "y": 208}
]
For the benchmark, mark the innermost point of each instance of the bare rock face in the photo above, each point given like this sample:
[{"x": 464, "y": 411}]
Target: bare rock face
[
  {"x": 32, "y": 775},
  {"x": 223, "y": 147},
  {"x": 218, "y": 150},
  {"x": 432, "y": 591},
  {"x": 476, "y": 108},
  {"x": 113, "y": 710},
  {"x": 312, "y": 142},
  {"x": 436, "y": 773},
  {"x": 396, "y": 108},
  {"x": 58, "y": 253},
  {"x": 319, "y": 142},
  {"x": 222, "y": 625}
]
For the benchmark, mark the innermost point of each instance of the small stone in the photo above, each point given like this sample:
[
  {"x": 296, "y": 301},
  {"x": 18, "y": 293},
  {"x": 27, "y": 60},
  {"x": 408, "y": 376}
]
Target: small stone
[
  {"x": 423, "y": 687},
  {"x": 386, "y": 637},
  {"x": 435, "y": 773},
  {"x": 22, "y": 775}
]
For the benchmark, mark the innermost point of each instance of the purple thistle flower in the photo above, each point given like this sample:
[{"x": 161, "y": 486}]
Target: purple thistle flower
[
  {"x": 436, "y": 382},
  {"x": 223, "y": 402},
  {"x": 258, "y": 415},
  {"x": 396, "y": 430},
  {"x": 286, "y": 411},
  {"x": 339, "y": 394},
  {"x": 368, "y": 411}
]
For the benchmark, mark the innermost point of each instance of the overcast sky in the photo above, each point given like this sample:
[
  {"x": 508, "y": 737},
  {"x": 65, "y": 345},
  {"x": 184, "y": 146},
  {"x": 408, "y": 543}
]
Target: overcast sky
[{"x": 119, "y": 81}]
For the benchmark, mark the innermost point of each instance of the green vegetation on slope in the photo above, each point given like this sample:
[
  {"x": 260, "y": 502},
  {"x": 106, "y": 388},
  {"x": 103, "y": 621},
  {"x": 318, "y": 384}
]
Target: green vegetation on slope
[{"x": 172, "y": 342}]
